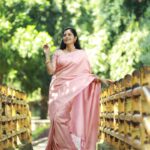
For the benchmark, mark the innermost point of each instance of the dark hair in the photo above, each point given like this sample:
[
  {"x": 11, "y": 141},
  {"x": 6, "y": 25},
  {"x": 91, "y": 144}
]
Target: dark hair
[{"x": 76, "y": 44}]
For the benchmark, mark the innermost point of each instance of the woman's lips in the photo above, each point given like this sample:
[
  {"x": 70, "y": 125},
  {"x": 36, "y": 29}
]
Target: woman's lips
[{"x": 67, "y": 40}]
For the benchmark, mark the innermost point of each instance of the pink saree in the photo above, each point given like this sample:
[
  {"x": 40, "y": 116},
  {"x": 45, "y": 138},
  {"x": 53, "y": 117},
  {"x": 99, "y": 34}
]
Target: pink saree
[{"x": 73, "y": 103}]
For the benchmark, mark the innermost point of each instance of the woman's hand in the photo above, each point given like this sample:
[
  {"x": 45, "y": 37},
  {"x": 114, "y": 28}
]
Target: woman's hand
[
  {"x": 104, "y": 81},
  {"x": 97, "y": 79},
  {"x": 46, "y": 49},
  {"x": 107, "y": 81}
]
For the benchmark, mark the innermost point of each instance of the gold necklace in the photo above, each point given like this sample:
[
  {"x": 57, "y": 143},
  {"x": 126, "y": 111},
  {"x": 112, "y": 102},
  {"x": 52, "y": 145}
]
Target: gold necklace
[{"x": 67, "y": 51}]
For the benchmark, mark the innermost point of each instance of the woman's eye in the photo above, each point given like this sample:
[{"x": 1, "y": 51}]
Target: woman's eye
[{"x": 67, "y": 35}]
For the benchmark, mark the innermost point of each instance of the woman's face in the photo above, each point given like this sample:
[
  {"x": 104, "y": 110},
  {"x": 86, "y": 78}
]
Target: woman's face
[{"x": 68, "y": 37}]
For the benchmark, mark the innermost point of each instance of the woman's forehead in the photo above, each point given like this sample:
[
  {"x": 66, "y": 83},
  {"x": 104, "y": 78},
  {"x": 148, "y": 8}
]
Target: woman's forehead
[{"x": 67, "y": 31}]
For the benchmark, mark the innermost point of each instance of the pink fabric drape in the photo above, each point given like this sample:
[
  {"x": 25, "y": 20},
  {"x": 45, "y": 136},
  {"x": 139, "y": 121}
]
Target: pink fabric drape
[{"x": 73, "y": 103}]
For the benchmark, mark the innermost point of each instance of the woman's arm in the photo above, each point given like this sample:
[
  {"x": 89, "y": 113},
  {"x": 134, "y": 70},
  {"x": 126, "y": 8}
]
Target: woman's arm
[
  {"x": 97, "y": 78},
  {"x": 50, "y": 65}
]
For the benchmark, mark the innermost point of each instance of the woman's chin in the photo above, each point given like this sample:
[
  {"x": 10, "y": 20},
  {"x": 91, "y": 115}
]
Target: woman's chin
[{"x": 68, "y": 43}]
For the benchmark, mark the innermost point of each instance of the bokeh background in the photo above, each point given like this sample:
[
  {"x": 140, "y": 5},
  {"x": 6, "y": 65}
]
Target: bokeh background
[{"x": 115, "y": 34}]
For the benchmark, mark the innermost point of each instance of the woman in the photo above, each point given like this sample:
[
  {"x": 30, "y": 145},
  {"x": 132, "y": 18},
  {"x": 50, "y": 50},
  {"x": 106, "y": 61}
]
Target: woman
[{"x": 73, "y": 97}]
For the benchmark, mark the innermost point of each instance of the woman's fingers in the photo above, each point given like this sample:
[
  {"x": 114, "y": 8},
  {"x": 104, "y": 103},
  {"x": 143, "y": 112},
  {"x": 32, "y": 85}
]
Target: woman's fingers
[
  {"x": 104, "y": 81},
  {"x": 110, "y": 81},
  {"x": 46, "y": 48},
  {"x": 97, "y": 79}
]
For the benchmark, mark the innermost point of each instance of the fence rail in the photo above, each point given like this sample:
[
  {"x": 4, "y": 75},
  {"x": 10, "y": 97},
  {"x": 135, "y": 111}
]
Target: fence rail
[
  {"x": 15, "y": 119},
  {"x": 125, "y": 112}
]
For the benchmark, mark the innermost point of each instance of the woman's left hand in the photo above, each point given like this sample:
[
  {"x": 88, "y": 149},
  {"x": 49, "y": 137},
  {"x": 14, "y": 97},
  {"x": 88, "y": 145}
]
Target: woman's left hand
[
  {"x": 97, "y": 79},
  {"x": 109, "y": 81},
  {"x": 105, "y": 81}
]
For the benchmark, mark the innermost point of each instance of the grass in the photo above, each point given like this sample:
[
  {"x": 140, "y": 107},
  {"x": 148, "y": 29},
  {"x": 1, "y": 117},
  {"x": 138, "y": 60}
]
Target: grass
[{"x": 40, "y": 131}]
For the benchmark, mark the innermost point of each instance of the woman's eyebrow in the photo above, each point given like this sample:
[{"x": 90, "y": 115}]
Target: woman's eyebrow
[{"x": 66, "y": 33}]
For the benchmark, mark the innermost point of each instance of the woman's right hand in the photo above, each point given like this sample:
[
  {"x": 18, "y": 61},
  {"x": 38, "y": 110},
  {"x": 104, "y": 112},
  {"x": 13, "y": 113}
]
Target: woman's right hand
[{"x": 46, "y": 49}]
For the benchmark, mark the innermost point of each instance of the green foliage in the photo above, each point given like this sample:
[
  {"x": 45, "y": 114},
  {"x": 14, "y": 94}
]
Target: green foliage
[
  {"x": 124, "y": 45},
  {"x": 38, "y": 132},
  {"x": 115, "y": 34},
  {"x": 26, "y": 49},
  {"x": 125, "y": 53},
  {"x": 22, "y": 37}
]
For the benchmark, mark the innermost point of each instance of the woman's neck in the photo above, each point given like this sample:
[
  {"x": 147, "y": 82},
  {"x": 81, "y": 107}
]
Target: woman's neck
[{"x": 70, "y": 48}]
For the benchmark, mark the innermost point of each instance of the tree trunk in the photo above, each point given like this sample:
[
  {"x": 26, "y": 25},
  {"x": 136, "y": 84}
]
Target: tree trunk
[
  {"x": 44, "y": 106},
  {"x": 1, "y": 78},
  {"x": 63, "y": 19}
]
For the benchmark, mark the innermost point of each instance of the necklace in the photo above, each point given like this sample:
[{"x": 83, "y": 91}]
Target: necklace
[{"x": 69, "y": 51}]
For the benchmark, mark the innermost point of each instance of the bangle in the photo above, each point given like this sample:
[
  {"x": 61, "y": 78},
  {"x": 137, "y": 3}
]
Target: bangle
[{"x": 46, "y": 62}]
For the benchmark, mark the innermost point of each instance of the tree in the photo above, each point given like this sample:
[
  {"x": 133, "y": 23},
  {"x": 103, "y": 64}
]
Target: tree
[{"x": 111, "y": 32}]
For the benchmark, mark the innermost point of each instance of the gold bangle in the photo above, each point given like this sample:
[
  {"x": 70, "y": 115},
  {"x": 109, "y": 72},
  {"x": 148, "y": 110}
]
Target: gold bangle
[{"x": 46, "y": 62}]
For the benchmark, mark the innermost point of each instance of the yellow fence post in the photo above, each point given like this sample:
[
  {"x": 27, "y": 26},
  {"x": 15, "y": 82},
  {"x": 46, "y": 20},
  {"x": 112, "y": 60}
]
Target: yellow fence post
[
  {"x": 15, "y": 119},
  {"x": 125, "y": 113}
]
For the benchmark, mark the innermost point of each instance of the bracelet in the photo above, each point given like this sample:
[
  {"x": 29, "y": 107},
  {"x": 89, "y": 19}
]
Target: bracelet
[{"x": 46, "y": 62}]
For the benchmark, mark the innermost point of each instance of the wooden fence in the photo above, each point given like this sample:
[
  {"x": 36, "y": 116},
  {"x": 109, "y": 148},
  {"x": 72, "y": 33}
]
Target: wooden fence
[
  {"x": 125, "y": 113},
  {"x": 15, "y": 119}
]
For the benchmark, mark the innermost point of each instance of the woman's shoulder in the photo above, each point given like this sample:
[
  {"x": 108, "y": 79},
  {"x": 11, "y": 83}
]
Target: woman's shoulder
[
  {"x": 58, "y": 52},
  {"x": 83, "y": 51}
]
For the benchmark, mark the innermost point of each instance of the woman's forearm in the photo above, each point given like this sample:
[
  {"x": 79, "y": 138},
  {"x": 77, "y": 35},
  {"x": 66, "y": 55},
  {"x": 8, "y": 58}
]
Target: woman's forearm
[{"x": 49, "y": 65}]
